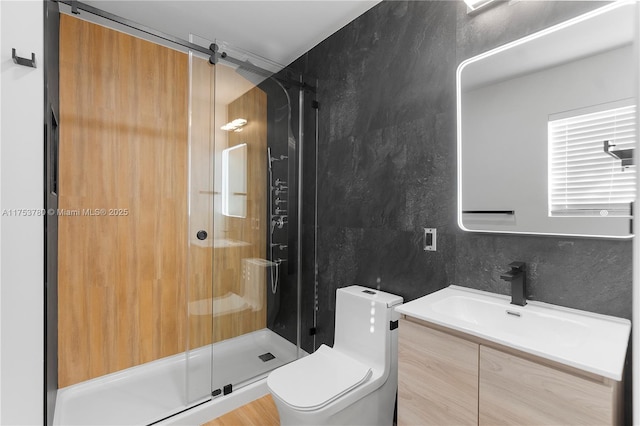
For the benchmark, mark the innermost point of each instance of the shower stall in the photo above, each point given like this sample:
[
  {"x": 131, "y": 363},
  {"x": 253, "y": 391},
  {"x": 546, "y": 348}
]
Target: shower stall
[{"x": 179, "y": 244}]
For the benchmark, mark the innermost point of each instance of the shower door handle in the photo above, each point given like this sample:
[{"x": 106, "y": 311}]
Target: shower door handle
[{"x": 201, "y": 235}]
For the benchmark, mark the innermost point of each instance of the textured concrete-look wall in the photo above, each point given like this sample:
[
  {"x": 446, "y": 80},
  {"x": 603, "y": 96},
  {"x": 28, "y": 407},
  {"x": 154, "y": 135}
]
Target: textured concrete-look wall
[{"x": 387, "y": 164}]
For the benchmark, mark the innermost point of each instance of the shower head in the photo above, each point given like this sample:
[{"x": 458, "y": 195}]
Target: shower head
[{"x": 269, "y": 156}]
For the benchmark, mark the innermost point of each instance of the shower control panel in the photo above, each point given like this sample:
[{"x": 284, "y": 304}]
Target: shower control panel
[{"x": 280, "y": 188}]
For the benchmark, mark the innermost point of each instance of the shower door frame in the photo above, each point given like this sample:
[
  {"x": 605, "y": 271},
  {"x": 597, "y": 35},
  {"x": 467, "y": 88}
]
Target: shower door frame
[{"x": 50, "y": 223}]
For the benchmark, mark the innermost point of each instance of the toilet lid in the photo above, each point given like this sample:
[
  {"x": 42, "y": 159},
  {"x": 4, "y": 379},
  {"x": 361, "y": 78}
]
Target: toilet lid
[{"x": 314, "y": 381}]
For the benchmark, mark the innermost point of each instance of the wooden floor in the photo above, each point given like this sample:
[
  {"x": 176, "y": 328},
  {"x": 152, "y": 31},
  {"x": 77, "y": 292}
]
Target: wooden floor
[{"x": 261, "y": 412}]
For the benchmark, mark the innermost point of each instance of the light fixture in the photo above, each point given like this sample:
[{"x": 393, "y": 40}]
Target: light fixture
[
  {"x": 235, "y": 125},
  {"x": 477, "y": 4}
]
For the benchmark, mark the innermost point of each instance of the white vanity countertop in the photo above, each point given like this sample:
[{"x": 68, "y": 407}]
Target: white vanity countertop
[{"x": 584, "y": 340}]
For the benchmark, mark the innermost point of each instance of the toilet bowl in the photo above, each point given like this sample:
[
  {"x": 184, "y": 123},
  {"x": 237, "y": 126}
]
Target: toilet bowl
[{"x": 353, "y": 383}]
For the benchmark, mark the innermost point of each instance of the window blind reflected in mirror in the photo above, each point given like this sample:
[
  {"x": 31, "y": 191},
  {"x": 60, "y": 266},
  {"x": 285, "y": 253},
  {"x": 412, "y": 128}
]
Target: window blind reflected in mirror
[{"x": 585, "y": 179}]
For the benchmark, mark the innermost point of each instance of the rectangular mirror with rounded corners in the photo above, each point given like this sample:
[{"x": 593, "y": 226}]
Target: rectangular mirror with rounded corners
[
  {"x": 547, "y": 130},
  {"x": 234, "y": 181}
]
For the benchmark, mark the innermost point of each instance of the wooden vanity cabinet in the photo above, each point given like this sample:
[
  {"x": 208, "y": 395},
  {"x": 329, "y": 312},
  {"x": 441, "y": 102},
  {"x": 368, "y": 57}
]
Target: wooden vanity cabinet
[
  {"x": 518, "y": 391},
  {"x": 437, "y": 377},
  {"x": 451, "y": 379}
]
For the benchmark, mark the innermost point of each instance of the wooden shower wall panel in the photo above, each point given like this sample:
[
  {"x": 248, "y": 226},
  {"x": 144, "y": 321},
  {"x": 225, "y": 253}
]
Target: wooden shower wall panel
[
  {"x": 228, "y": 274},
  {"x": 210, "y": 326},
  {"x": 123, "y": 145}
]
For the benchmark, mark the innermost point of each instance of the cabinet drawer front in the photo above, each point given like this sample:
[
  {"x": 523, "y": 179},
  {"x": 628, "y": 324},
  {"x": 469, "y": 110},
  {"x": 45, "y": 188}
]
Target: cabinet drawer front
[
  {"x": 437, "y": 378},
  {"x": 516, "y": 391}
]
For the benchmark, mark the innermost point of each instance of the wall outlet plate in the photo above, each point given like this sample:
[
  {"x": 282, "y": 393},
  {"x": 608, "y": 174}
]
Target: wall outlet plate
[{"x": 429, "y": 239}]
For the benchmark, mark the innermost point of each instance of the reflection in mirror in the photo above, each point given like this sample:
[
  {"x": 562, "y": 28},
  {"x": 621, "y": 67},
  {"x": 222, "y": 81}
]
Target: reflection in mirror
[
  {"x": 538, "y": 121},
  {"x": 234, "y": 181}
]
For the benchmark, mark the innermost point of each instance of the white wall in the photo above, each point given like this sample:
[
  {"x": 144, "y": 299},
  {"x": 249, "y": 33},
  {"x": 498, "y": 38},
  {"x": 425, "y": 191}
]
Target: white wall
[{"x": 21, "y": 237}]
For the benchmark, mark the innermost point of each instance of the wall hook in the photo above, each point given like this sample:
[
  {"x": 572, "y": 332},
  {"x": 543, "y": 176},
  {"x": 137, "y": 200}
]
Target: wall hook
[{"x": 24, "y": 61}]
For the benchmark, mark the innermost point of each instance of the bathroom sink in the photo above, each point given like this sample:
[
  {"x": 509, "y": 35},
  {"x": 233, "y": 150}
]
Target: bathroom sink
[
  {"x": 591, "y": 342},
  {"x": 514, "y": 323}
]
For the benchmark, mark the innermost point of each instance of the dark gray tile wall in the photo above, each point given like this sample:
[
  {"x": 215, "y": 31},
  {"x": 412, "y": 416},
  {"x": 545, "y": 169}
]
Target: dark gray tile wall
[{"x": 387, "y": 165}]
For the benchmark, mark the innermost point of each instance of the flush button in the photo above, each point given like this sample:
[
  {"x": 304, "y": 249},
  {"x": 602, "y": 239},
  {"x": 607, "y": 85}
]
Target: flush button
[{"x": 368, "y": 291}]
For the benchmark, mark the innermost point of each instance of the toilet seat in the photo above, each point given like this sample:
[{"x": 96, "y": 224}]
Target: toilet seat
[{"x": 313, "y": 382}]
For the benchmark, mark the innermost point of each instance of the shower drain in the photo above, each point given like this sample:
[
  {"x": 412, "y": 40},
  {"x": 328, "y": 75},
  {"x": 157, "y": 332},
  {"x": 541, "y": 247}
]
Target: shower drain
[{"x": 266, "y": 357}]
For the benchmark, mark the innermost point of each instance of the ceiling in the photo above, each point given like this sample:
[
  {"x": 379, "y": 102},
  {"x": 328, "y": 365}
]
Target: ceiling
[{"x": 280, "y": 31}]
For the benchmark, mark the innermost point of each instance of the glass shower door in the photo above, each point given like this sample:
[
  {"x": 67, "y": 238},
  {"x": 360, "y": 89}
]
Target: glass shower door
[
  {"x": 201, "y": 240},
  {"x": 240, "y": 278},
  {"x": 251, "y": 265},
  {"x": 242, "y": 290}
]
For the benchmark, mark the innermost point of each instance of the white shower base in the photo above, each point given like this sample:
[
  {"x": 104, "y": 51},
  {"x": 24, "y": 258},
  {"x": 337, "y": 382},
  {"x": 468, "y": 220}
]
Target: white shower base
[{"x": 148, "y": 393}]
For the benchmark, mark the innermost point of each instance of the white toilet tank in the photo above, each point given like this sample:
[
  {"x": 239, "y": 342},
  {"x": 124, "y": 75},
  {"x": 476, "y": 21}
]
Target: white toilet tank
[{"x": 364, "y": 319}]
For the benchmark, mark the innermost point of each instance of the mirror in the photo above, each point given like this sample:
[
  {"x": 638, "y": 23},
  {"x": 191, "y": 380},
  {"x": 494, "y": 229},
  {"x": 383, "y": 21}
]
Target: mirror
[
  {"x": 536, "y": 118},
  {"x": 234, "y": 181}
]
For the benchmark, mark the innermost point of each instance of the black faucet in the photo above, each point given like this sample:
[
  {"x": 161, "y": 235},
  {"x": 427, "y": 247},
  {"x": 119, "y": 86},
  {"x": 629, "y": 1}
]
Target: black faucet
[{"x": 517, "y": 278}]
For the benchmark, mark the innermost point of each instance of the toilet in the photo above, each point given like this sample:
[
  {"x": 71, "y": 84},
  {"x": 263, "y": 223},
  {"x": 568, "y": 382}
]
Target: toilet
[{"x": 353, "y": 383}]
